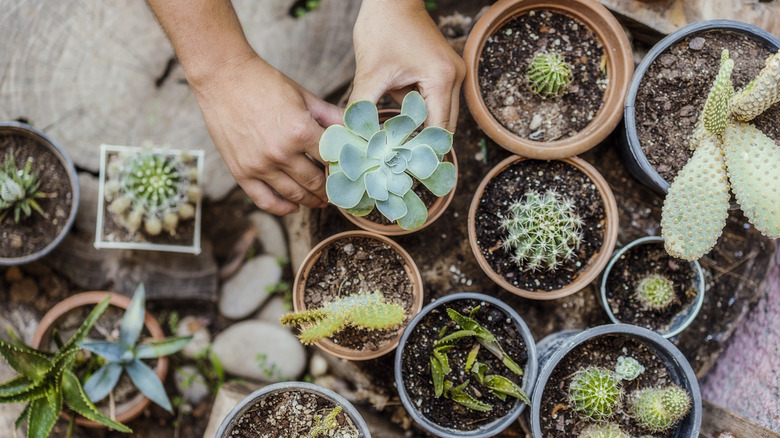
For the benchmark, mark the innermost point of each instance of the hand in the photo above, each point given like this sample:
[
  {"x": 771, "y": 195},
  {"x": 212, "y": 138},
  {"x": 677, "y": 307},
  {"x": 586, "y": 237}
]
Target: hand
[
  {"x": 264, "y": 126},
  {"x": 398, "y": 48}
]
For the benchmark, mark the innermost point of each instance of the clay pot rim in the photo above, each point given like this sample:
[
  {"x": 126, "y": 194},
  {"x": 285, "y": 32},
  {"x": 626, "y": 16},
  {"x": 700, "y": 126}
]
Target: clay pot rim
[
  {"x": 90, "y": 298},
  {"x": 410, "y": 267},
  {"x": 57, "y": 150},
  {"x": 596, "y": 262},
  {"x": 620, "y": 66}
]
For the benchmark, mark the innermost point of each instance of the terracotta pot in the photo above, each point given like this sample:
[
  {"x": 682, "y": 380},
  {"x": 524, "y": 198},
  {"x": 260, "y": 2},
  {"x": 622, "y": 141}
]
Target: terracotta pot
[
  {"x": 132, "y": 408},
  {"x": 299, "y": 290},
  {"x": 55, "y": 149},
  {"x": 619, "y": 65},
  {"x": 436, "y": 209},
  {"x": 592, "y": 267}
]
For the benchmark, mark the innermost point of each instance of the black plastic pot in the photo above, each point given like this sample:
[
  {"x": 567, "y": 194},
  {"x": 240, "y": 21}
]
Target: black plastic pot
[
  {"x": 249, "y": 401},
  {"x": 57, "y": 150},
  {"x": 529, "y": 371},
  {"x": 629, "y": 148},
  {"x": 555, "y": 347}
]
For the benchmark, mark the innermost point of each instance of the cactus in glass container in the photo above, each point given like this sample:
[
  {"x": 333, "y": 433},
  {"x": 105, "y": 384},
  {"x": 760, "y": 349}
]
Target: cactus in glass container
[
  {"x": 377, "y": 166},
  {"x": 659, "y": 408},
  {"x": 595, "y": 393},
  {"x": 548, "y": 75},
  {"x": 19, "y": 189}
]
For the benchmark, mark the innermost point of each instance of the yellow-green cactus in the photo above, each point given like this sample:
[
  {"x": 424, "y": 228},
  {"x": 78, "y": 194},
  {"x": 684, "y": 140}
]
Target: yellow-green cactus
[
  {"x": 716, "y": 109},
  {"x": 595, "y": 393},
  {"x": 608, "y": 430},
  {"x": 753, "y": 161},
  {"x": 761, "y": 93},
  {"x": 659, "y": 409},
  {"x": 549, "y": 75},
  {"x": 365, "y": 310}
]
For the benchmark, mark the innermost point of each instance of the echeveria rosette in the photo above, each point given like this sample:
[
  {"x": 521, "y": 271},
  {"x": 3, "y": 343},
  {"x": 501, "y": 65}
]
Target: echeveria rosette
[{"x": 376, "y": 166}]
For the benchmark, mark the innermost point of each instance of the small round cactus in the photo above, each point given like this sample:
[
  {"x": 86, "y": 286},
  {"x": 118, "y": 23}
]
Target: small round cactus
[
  {"x": 549, "y": 75},
  {"x": 628, "y": 368},
  {"x": 608, "y": 430},
  {"x": 542, "y": 230},
  {"x": 595, "y": 393},
  {"x": 655, "y": 292},
  {"x": 658, "y": 409}
]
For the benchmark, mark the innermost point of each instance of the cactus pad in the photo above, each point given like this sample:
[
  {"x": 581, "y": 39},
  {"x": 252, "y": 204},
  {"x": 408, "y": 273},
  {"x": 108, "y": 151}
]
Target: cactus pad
[
  {"x": 761, "y": 93},
  {"x": 716, "y": 108}
]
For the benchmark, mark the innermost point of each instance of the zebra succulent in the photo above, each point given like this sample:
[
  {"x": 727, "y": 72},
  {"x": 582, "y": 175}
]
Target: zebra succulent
[
  {"x": 548, "y": 75},
  {"x": 729, "y": 154},
  {"x": 659, "y": 408},
  {"x": 372, "y": 166},
  {"x": 19, "y": 189},
  {"x": 595, "y": 393}
]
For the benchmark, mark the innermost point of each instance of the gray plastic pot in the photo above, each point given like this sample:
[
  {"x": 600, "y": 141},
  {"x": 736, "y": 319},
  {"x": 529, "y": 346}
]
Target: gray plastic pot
[
  {"x": 684, "y": 318},
  {"x": 556, "y": 346},
  {"x": 529, "y": 370},
  {"x": 629, "y": 148},
  {"x": 244, "y": 405},
  {"x": 57, "y": 150}
]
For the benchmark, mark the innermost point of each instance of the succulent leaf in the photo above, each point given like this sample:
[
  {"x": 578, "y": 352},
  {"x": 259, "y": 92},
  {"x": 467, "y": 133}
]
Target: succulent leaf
[
  {"x": 399, "y": 128},
  {"x": 377, "y": 146},
  {"x": 413, "y": 106},
  {"x": 439, "y": 139},
  {"x": 400, "y": 185},
  {"x": 111, "y": 351},
  {"x": 148, "y": 383},
  {"x": 437, "y": 375},
  {"x": 44, "y": 413},
  {"x": 460, "y": 396},
  {"x": 133, "y": 319},
  {"x": 505, "y": 386},
  {"x": 628, "y": 368},
  {"x": 164, "y": 347},
  {"x": 14, "y": 386},
  {"x": 26, "y": 362},
  {"x": 75, "y": 397},
  {"x": 376, "y": 184},
  {"x": 354, "y": 161},
  {"x": 343, "y": 192},
  {"x": 393, "y": 208},
  {"x": 334, "y": 138},
  {"x": 362, "y": 118},
  {"x": 102, "y": 381},
  {"x": 364, "y": 207},
  {"x": 416, "y": 212},
  {"x": 423, "y": 163},
  {"x": 442, "y": 180},
  {"x": 759, "y": 94},
  {"x": 19, "y": 189},
  {"x": 716, "y": 108}
]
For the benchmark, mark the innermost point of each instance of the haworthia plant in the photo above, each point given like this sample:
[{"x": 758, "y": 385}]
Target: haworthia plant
[
  {"x": 728, "y": 155},
  {"x": 19, "y": 189},
  {"x": 376, "y": 166}
]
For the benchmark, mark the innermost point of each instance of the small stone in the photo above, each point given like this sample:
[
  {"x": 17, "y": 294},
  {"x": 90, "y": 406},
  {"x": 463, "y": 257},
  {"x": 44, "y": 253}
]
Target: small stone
[
  {"x": 201, "y": 337},
  {"x": 270, "y": 234},
  {"x": 361, "y": 255},
  {"x": 248, "y": 289},
  {"x": 536, "y": 122},
  {"x": 191, "y": 384},
  {"x": 13, "y": 274},
  {"x": 318, "y": 366},
  {"x": 696, "y": 43},
  {"x": 349, "y": 249},
  {"x": 273, "y": 310},
  {"x": 24, "y": 291}
]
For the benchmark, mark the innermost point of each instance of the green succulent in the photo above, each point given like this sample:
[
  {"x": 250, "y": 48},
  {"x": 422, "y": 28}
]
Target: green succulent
[
  {"x": 324, "y": 424},
  {"x": 658, "y": 409},
  {"x": 549, "y": 75},
  {"x": 47, "y": 382},
  {"x": 655, "y": 292},
  {"x": 370, "y": 311},
  {"x": 595, "y": 393},
  {"x": 371, "y": 166},
  {"x": 19, "y": 189},
  {"x": 126, "y": 355},
  {"x": 728, "y": 154},
  {"x": 608, "y": 430},
  {"x": 542, "y": 230},
  {"x": 628, "y": 368}
]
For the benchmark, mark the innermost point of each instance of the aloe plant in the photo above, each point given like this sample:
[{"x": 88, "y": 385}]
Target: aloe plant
[
  {"x": 47, "y": 382},
  {"x": 376, "y": 166},
  {"x": 126, "y": 355},
  {"x": 19, "y": 189}
]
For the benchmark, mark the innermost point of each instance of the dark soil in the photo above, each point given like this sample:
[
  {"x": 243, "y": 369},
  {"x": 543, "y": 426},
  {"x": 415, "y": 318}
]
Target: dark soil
[
  {"x": 290, "y": 414},
  {"x": 35, "y": 232},
  {"x": 361, "y": 264},
  {"x": 502, "y": 76},
  {"x": 558, "y": 419},
  {"x": 417, "y": 370},
  {"x": 637, "y": 263},
  {"x": 674, "y": 88},
  {"x": 511, "y": 185}
]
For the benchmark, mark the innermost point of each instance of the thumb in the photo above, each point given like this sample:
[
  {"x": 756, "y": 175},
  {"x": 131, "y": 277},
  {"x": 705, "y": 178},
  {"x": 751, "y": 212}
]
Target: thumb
[
  {"x": 365, "y": 89},
  {"x": 324, "y": 113}
]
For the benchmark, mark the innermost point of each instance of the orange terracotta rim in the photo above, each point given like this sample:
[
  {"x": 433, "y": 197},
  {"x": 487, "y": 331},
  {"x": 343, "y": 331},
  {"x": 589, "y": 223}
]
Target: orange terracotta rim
[
  {"x": 596, "y": 263},
  {"x": 139, "y": 402},
  {"x": 299, "y": 291},
  {"x": 620, "y": 68}
]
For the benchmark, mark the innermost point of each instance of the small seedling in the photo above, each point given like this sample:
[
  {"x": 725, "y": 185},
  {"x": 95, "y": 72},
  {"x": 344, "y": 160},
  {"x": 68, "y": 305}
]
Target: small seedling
[
  {"x": 595, "y": 393},
  {"x": 549, "y": 75},
  {"x": 658, "y": 409},
  {"x": 655, "y": 292},
  {"x": 19, "y": 189}
]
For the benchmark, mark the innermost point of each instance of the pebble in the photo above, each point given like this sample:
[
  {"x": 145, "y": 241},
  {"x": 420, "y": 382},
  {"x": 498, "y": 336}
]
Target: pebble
[
  {"x": 273, "y": 310},
  {"x": 191, "y": 384},
  {"x": 247, "y": 290},
  {"x": 24, "y": 291},
  {"x": 201, "y": 337},
  {"x": 696, "y": 43},
  {"x": 260, "y": 350},
  {"x": 270, "y": 234},
  {"x": 318, "y": 366},
  {"x": 536, "y": 122}
]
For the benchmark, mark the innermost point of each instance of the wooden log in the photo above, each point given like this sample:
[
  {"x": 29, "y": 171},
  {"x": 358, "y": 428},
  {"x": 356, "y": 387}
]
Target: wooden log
[{"x": 718, "y": 422}]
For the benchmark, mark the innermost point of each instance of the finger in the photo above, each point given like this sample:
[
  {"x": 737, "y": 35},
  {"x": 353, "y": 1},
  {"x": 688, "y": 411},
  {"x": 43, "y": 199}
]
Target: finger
[
  {"x": 289, "y": 189},
  {"x": 303, "y": 171},
  {"x": 265, "y": 199},
  {"x": 454, "y": 109},
  {"x": 439, "y": 102},
  {"x": 399, "y": 93},
  {"x": 366, "y": 89},
  {"x": 324, "y": 113}
]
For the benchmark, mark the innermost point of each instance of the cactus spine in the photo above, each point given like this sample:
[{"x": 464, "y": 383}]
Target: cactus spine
[
  {"x": 655, "y": 292},
  {"x": 761, "y": 93},
  {"x": 549, "y": 75},
  {"x": 595, "y": 393},
  {"x": 608, "y": 430},
  {"x": 658, "y": 409}
]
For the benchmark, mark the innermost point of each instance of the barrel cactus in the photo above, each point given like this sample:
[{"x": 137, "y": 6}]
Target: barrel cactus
[
  {"x": 548, "y": 75},
  {"x": 376, "y": 166},
  {"x": 659, "y": 408},
  {"x": 19, "y": 189},
  {"x": 595, "y": 393},
  {"x": 655, "y": 292},
  {"x": 728, "y": 154}
]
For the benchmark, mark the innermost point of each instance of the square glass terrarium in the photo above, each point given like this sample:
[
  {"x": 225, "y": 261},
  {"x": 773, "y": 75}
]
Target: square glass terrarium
[{"x": 149, "y": 199}]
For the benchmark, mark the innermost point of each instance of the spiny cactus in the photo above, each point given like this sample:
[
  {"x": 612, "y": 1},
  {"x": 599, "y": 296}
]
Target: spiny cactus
[
  {"x": 542, "y": 230},
  {"x": 655, "y": 292},
  {"x": 364, "y": 310},
  {"x": 628, "y": 368},
  {"x": 658, "y": 409},
  {"x": 155, "y": 189},
  {"x": 696, "y": 206},
  {"x": 372, "y": 166},
  {"x": 19, "y": 189},
  {"x": 608, "y": 430},
  {"x": 595, "y": 393},
  {"x": 549, "y": 75}
]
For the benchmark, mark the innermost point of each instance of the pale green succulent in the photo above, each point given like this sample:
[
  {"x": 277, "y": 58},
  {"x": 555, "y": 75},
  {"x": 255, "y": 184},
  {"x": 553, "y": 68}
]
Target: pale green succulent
[
  {"x": 595, "y": 393},
  {"x": 19, "y": 189},
  {"x": 628, "y": 368},
  {"x": 608, "y": 430},
  {"x": 322, "y": 424},
  {"x": 372, "y": 166},
  {"x": 728, "y": 154},
  {"x": 655, "y": 292},
  {"x": 658, "y": 409},
  {"x": 548, "y": 75}
]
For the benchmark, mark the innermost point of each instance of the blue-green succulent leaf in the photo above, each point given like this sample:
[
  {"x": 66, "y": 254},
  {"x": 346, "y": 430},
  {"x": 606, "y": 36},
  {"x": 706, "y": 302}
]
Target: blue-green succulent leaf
[
  {"x": 424, "y": 162},
  {"x": 85, "y": 327},
  {"x": 103, "y": 381},
  {"x": 343, "y": 192},
  {"x": 416, "y": 212},
  {"x": 354, "y": 162},
  {"x": 399, "y": 184},
  {"x": 362, "y": 118},
  {"x": 377, "y": 146},
  {"x": 414, "y": 107},
  {"x": 393, "y": 208},
  {"x": 133, "y": 320},
  {"x": 439, "y": 139},
  {"x": 376, "y": 184},
  {"x": 334, "y": 138},
  {"x": 364, "y": 207},
  {"x": 398, "y": 129},
  {"x": 442, "y": 180},
  {"x": 111, "y": 351},
  {"x": 25, "y": 361},
  {"x": 164, "y": 347},
  {"x": 77, "y": 399},
  {"x": 147, "y": 382}
]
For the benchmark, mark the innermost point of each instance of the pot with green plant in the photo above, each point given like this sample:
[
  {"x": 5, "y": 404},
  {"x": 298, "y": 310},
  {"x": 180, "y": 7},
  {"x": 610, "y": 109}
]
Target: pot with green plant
[
  {"x": 39, "y": 193},
  {"x": 391, "y": 167},
  {"x": 643, "y": 285},
  {"x": 465, "y": 366},
  {"x": 149, "y": 199}
]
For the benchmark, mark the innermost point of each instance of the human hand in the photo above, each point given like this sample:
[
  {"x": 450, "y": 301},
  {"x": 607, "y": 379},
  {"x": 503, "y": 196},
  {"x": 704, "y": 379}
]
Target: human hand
[
  {"x": 264, "y": 125},
  {"x": 398, "y": 48}
]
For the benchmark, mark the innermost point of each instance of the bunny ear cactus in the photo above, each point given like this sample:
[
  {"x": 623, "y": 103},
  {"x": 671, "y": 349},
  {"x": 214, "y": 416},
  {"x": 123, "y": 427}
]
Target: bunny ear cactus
[
  {"x": 19, "y": 189},
  {"x": 759, "y": 94},
  {"x": 376, "y": 166}
]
